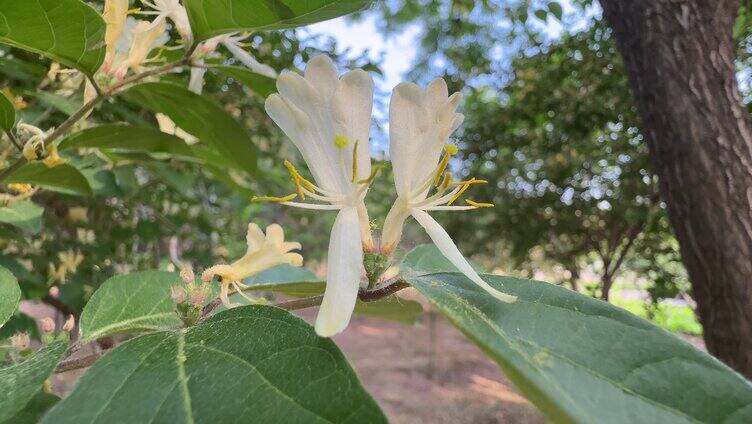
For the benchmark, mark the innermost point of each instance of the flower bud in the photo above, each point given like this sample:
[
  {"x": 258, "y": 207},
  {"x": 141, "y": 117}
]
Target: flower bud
[
  {"x": 186, "y": 274},
  {"x": 178, "y": 294},
  {"x": 69, "y": 324},
  {"x": 54, "y": 292},
  {"x": 48, "y": 325},
  {"x": 20, "y": 341}
]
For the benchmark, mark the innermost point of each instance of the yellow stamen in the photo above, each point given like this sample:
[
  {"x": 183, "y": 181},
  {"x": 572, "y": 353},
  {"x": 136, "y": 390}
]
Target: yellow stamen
[
  {"x": 287, "y": 198},
  {"x": 133, "y": 11},
  {"x": 450, "y": 149},
  {"x": 472, "y": 181},
  {"x": 375, "y": 170},
  {"x": 459, "y": 193},
  {"x": 479, "y": 204},
  {"x": 340, "y": 141},
  {"x": 299, "y": 179},
  {"x": 446, "y": 182},
  {"x": 355, "y": 162}
]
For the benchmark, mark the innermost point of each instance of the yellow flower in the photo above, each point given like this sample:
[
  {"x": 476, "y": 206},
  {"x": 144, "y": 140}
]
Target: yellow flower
[{"x": 264, "y": 251}]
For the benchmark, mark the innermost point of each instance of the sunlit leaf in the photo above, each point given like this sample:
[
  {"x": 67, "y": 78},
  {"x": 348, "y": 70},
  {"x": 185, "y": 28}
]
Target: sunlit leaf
[
  {"x": 67, "y": 31},
  {"x": 10, "y": 295},
  {"x": 63, "y": 178},
  {"x": 19, "y": 383},
  {"x": 133, "y": 302},
  {"x": 583, "y": 360},
  {"x": 213, "y": 17},
  {"x": 249, "y": 364}
]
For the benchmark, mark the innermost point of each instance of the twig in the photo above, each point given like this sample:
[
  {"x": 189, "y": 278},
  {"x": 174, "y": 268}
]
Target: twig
[
  {"x": 14, "y": 140},
  {"x": 306, "y": 302},
  {"x": 76, "y": 363},
  {"x": 60, "y": 306}
]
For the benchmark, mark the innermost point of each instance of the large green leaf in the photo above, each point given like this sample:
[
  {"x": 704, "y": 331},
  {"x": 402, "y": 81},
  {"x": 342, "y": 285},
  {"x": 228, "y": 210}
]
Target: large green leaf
[
  {"x": 127, "y": 303},
  {"x": 249, "y": 364},
  {"x": 63, "y": 178},
  {"x": 427, "y": 259},
  {"x": 65, "y": 104},
  {"x": 125, "y": 138},
  {"x": 583, "y": 360},
  {"x": 25, "y": 215},
  {"x": 10, "y": 295},
  {"x": 300, "y": 282},
  {"x": 7, "y": 114},
  {"x": 200, "y": 117},
  {"x": 33, "y": 411},
  {"x": 259, "y": 84},
  {"x": 19, "y": 383},
  {"x": 214, "y": 17},
  {"x": 67, "y": 31}
]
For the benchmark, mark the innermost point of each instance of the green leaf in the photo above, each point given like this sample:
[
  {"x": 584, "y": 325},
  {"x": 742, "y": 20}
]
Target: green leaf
[
  {"x": 555, "y": 9},
  {"x": 128, "y": 303},
  {"x": 65, "y": 104},
  {"x": 259, "y": 84},
  {"x": 583, "y": 360},
  {"x": 33, "y": 411},
  {"x": 66, "y": 31},
  {"x": 125, "y": 138},
  {"x": 541, "y": 14},
  {"x": 427, "y": 259},
  {"x": 10, "y": 295},
  {"x": 25, "y": 215},
  {"x": 7, "y": 114},
  {"x": 249, "y": 364},
  {"x": 19, "y": 383},
  {"x": 102, "y": 182},
  {"x": 213, "y": 17},
  {"x": 300, "y": 282},
  {"x": 203, "y": 119},
  {"x": 63, "y": 178}
]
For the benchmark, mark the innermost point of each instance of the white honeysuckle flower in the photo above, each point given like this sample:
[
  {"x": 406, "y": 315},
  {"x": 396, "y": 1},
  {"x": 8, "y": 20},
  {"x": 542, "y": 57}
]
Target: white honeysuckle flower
[
  {"x": 114, "y": 15},
  {"x": 135, "y": 44},
  {"x": 420, "y": 123},
  {"x": 328, "y": 119},
  {"x": 232, "y": 42},
  {"x": 264, "y": 251},
  {"x": 174, "y": 11}
]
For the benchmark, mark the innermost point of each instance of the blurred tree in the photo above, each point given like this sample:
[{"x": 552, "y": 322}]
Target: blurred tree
[{"x": 567, "y": 165}]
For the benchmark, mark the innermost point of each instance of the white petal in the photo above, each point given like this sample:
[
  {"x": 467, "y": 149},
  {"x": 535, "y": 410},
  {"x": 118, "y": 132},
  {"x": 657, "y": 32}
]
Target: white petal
[
  {"x": 322, "y": 74},
  {"x": 345, "y": 259},
  {"x": 196, "y": 83},
  {"x": 248, "y": 60},
  {"x": 352, "y": 106},
  {"x": 447, "y": 248},
  {"x": 416, "y": 133}
]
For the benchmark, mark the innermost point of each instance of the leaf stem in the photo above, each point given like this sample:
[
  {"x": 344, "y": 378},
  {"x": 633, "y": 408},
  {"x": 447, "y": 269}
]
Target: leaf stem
[{"x": 14, "y": 140}]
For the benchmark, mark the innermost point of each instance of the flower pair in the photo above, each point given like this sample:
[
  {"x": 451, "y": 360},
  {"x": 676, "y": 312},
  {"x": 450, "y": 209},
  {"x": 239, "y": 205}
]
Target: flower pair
[{"x": 328, "y": 119}]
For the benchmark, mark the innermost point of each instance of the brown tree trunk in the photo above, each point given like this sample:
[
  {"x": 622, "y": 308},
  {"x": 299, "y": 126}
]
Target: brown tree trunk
[{"x": 680, "y": 58}]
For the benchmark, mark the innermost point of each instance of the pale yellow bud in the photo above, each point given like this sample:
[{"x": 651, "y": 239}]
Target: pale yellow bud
[
  {"x": 70, "y": 323},
  {"x": 20, "y": 341},
  {"x": 47, "y": 325}
]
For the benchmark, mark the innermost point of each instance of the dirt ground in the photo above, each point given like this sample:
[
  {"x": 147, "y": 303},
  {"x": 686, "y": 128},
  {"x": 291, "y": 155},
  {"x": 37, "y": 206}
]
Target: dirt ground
[{"x": 419, "y": 379}]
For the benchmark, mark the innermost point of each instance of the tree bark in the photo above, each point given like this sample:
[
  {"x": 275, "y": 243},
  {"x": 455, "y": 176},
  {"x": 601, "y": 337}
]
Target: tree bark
[{"x": 680, "y": 59}]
